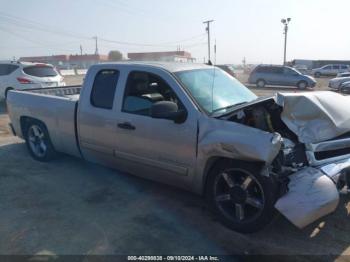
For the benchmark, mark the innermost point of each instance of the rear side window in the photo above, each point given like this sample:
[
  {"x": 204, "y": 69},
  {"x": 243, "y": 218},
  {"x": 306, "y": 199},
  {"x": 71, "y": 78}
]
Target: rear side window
[
  {"x": 7, "y": 69},
  {"x": 277, "y": 70},
  {"x": 336, "y": 67},
  {"x": 344, "y": 67},
  {"x": 40, "y": 71},
  {"x": 103, "y": 89},
  {"x": 263, "y": 69}
]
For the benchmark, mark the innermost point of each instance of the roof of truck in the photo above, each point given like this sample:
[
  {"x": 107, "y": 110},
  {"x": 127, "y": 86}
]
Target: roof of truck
[{"x": 169, "y": 66}]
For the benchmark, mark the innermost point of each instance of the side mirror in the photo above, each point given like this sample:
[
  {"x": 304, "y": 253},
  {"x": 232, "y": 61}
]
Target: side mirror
[{"x": 168, "y": 110}]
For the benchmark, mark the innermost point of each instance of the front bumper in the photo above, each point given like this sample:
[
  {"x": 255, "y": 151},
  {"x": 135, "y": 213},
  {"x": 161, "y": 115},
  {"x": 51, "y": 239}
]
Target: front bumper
[{"x": 313, "y": 192}]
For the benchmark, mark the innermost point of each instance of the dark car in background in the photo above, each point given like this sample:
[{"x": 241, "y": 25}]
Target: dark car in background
[
  {"x": 228, "y": 69},
  {"x": 280, "y": 75}
]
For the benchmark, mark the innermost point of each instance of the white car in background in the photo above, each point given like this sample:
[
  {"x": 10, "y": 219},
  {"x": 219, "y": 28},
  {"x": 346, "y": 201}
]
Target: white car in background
[
  {"x": 335, "y": 83},
  {"x": 346, "y": 74},
  {"x": 23, "y": 75},
  {"x": 330, "y": 70}
]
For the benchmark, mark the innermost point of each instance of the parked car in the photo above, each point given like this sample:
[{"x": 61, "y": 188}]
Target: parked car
[
  {"x": 195, "y": 127},
  {"x": 330, "y": 70},
  {"x": 302, "y": 69},
  {"x": 228, "y": 69},
  {"x": 280, "y": 75},
  {"x": 20, "y": 75},
  {"x": 335, "y": 83},
  {"x": 346, "y": 74},
  {"x": 345, "y": 87}
]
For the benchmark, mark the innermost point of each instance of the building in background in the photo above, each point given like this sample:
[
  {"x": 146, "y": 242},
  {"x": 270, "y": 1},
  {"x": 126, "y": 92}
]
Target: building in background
[
  {"x": 171, "y": 56},
  {"x": 59, "y": 61},
  {"x": 85, "y": 61},
  {"x": 68, "y": 61}
]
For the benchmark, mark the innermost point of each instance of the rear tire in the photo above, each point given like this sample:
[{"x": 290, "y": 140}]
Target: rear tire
[
  {"x": 260, "y": 83},
  {"x": 241, "y": 198},
  {"x": 38, "y": 141}
]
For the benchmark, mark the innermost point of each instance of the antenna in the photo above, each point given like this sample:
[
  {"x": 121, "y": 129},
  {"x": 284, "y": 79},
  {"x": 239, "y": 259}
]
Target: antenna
[{"x": 215, "y": 53}]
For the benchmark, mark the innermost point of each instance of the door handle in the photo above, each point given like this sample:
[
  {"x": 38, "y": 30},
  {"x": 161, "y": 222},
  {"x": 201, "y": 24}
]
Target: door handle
[{"x": 126, "y": 125}]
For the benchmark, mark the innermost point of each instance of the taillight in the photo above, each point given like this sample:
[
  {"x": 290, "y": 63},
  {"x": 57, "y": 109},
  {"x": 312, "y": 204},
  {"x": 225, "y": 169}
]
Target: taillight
[{"x": 23, "y": 80}]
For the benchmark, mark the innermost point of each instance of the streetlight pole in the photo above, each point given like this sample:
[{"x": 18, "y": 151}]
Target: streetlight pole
[
  {"x": 285, "y": 22},
  {"x": 208, "y": 31}
]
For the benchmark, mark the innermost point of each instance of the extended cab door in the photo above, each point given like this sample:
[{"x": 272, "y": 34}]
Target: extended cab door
[
  {"x": 155, "y": 148},
  {"x": 97, "y": 114}
]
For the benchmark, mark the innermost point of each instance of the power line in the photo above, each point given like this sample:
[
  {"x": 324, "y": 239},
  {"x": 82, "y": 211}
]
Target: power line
[{"x": 32, "y": 25}]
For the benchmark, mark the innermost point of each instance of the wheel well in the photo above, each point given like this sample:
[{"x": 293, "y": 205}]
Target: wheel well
[
  {"x": 25, "y": 120},
  {"x": 213, "y": 161},
  {"x": 6, "y": 90},
  {"x": 260, "y": 79}
]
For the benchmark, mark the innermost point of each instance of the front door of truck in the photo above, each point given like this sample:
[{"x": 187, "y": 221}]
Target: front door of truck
[{"x": 154, "y": 148}]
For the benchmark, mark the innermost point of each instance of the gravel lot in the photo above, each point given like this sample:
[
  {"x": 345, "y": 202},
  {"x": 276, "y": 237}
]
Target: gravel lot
[{"x": 73, "y": 207}]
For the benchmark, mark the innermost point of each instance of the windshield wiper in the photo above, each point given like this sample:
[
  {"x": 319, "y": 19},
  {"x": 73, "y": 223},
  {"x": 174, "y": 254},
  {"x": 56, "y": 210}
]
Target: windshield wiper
[{"x": 227, "y": 107}]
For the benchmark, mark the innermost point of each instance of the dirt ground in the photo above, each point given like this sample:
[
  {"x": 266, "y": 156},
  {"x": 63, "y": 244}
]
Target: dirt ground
[{"x": 69, "y": 206}]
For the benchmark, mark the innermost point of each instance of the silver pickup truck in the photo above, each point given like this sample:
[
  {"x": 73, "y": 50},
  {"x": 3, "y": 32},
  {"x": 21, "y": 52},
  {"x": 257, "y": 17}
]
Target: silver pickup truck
[{"x": 196, "y": 127}]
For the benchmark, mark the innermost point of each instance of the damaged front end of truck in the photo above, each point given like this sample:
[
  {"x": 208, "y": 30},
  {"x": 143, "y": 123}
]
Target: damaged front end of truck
[{"x": 303, "y": 139}]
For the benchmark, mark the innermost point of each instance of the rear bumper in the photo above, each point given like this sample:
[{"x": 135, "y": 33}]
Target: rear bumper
[{"x": 313, "y": 193}]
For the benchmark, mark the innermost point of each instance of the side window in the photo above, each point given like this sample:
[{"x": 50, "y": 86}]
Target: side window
[
  {"x": 3, "y": 70},
  {"x": 344, "y": 67},
  {"x": 143, "y": 90},
  {"x": 288, "y": 71},
  {"x": 11, "y": 69},
  {"x": 264, "y": 69},
  {"x": 277, "y": 70},
  {"x": 327, "y": 67},
  {"x": 103, "y": 89},
  {"x": 336, "y": 67}
]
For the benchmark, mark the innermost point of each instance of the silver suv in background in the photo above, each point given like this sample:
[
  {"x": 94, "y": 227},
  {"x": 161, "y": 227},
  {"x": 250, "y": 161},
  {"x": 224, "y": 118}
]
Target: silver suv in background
[
  {"x": 330, "y": 70},
  {"x": 20, "y": 76},
  {"x": 280, "y": 75}
]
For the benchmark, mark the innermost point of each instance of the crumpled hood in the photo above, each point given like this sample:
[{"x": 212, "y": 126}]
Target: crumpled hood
[{"x": 315, "y": 116}]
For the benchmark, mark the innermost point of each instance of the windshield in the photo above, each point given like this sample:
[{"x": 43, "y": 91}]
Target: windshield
[{"x": 215, "y": 90}]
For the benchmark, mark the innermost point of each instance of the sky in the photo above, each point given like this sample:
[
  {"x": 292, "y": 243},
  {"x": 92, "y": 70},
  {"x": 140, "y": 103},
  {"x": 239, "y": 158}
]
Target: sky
[{"x": 242, "y": 28}]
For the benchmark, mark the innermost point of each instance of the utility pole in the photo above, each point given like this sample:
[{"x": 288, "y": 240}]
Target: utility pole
[
  {"x": 208, "y": 32},
  {"x": 81, "y": 50},
  {"x": 285, "y": 22},
  {"x": 96, "y": 45}
]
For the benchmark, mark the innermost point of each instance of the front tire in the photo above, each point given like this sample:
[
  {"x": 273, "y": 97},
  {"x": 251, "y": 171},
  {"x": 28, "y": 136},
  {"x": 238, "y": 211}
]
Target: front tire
[
  {"x": 38, "y": 141},
  {"x": 260, "y": 83},
  {"x": 241, "y": 198},
  {"x": 302, "y": 85}
]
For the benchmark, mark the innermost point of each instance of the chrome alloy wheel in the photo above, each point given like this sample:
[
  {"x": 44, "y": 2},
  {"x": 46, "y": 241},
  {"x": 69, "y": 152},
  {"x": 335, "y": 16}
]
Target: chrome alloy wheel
[
  {"x": 239, "y": 195},
  {"x": 36, "y": 139}
]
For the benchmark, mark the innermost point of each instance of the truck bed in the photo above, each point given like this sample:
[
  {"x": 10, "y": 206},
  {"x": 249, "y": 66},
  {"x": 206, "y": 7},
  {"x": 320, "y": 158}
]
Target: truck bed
[
  {"x": 55, "y": 107},
  {"x": 71, "y": 92}
]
